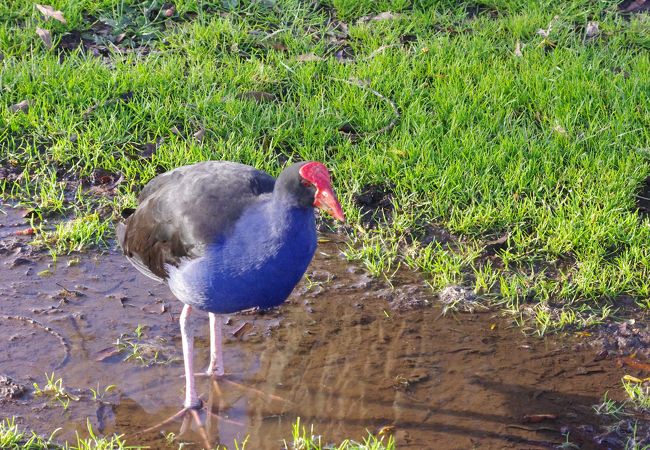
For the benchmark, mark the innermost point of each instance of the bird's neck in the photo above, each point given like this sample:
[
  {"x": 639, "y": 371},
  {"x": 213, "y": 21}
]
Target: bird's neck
[{"x": 287, "y": 215}]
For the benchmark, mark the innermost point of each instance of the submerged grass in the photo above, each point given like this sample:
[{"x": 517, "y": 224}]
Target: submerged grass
[{"x": 503, "y": 132}]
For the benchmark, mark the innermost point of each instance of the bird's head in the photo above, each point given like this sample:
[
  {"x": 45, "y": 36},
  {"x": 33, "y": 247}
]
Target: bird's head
[{"x": 316, "y": 177}]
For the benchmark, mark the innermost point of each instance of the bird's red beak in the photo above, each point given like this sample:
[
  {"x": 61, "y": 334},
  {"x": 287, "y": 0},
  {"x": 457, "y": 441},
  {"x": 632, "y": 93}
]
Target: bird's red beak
[{"x": 325, "y": 199}]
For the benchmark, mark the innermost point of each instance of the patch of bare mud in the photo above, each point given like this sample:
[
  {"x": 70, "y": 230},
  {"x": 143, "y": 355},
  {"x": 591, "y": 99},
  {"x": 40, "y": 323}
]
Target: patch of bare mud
[
  {"x": 342, "y": 354},
  {"x": 375, "y": 201}
]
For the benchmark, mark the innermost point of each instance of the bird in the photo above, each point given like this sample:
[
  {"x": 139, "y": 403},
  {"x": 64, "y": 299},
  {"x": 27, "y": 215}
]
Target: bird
[{"x": 226, "y": 237}]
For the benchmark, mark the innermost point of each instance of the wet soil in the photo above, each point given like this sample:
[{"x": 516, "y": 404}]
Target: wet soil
[
  {"x": 346, "y": 353},
  {"x": 375, "y": 203}
]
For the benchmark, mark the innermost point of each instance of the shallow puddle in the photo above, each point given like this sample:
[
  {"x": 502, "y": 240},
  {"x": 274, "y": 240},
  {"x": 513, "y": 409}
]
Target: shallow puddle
[{"x": 337, "y": 354}]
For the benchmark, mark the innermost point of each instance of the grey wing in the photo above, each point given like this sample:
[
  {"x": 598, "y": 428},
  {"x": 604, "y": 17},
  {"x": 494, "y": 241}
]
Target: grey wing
[{"x": 183, "y": 210}]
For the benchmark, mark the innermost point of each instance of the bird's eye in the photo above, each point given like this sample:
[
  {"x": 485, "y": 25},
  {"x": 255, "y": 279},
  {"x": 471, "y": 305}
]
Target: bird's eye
[{"x": 305, "y": 183}]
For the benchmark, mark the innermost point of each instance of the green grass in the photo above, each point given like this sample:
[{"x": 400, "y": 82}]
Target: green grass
[
  {"x": 12, "y": 438},
  {"x": 135, "y": 346},
  {"x": 623, "y": 416},
  {"x": 304, "y": 440},
  {"x": 54, "y": 390},
  {"x": 551, "y": 147},
  {"x": 639, "y": 392}
]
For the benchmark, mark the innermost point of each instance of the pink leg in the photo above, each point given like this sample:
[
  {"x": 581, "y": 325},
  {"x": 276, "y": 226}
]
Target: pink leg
[
  {"x": 216, "y": 347},
  {"x": 216, "y": 368},
  {"x": 192, "y": 401},
  {"x": 187, "y": 336}
]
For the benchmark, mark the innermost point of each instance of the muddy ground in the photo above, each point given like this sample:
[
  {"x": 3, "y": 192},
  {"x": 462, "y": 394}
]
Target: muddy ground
[{"x": 347, "y": 353}]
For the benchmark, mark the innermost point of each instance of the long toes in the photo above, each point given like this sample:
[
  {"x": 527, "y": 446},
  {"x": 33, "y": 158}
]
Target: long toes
[
  {"x": 202, "y": 432},
  {"x": 159, "y": 425},
  {"x": 188, "y": 414}
]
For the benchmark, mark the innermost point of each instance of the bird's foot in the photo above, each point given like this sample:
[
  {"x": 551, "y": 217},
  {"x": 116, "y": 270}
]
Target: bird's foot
[
  {"x": 189, "y": 414},
  {"x": 192, "y": 414}
]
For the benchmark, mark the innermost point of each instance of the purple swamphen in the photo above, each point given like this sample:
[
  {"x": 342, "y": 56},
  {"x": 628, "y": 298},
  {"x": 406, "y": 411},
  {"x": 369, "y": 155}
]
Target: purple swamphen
[{"x": 226, "y": 237}]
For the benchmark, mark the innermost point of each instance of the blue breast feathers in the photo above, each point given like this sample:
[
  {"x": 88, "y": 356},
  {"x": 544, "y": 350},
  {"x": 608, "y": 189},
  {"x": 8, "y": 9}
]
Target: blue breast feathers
[{"x": 257, "y": 265}]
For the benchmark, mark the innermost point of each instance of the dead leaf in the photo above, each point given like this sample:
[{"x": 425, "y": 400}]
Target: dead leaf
[
  {"x": 22, "y": 107},
  {"x": 28, "y": 213},
  {"x": 308, "y": 57},
  {"x": 537, "y": 418},
  {"x": 379, "y": 17},
  {"x": 601, "y": 355},
  {"x": 279, "y": 46},
  {"x": 518, "y": 50},
  {"x": 51, "y": 13},
  {"x": 417, "y": 376},
  {"x": 592, "y": 30},
  {"x": 199, "y": 135},
  {"x": 26, "y": 232},
  {"x": 498, "y": 243},
  {"x": 386, "y": 430},
  {"x": 635, "y": 364},
  {"x": 106, "y": 353},
  {"x": 257, "y": 96},
  {"x": 45, "y": 36},
  {"x": 635, "y": 379},
  {"x": 386, "y": 16},
  {"x": 545, "y": 33},
  {"x": 589, "y": 370},
  {"x": 106, "y": 184},
  {"x": 243, "y": 329},
  {"x": 559, "y": 129}
]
